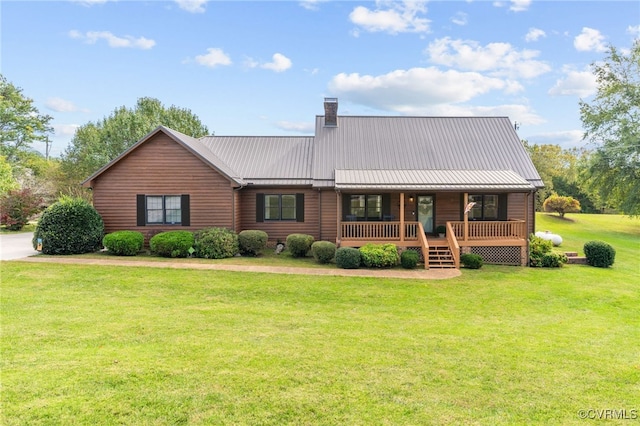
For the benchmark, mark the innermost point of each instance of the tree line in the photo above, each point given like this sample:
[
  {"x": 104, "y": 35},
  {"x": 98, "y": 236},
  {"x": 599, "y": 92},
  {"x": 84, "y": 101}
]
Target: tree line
[{"x": 604, "y": 176}]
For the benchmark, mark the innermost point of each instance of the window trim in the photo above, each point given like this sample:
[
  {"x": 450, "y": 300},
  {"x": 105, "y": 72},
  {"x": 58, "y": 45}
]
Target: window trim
[
  {"x": 142, "y": 210},
  {"x": 499, "y": 207},
  {"x": 280, "y": 208},
  {"x": 348, "y": 214},
  {"x": 298, "y": 207}
]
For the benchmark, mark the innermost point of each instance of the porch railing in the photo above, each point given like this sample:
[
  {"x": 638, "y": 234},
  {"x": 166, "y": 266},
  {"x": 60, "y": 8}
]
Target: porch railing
[
  {"x": 378, "y": 231},
  {"x": 491, "y": 230}
]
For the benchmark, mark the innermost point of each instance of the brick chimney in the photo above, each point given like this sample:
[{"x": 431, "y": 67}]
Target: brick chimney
[{"x": 331, "y": 112}]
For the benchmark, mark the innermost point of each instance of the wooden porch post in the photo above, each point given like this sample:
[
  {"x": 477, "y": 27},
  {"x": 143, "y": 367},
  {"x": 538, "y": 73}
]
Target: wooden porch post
[
  {"x": 402, "y": 217},
  {"x": 466, "y": 216},
  {"x": 338, "y": 218}
]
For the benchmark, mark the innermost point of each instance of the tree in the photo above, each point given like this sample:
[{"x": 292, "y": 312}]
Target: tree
[
  {"x": 96, "y": 144},
  {"x": 561, "y": 205},
  {"x": 612, "y": 122},
  {"x": 17, "y": 207},
  {"x": 7, "y": 180},
  {"x": 20, "y": 122}
]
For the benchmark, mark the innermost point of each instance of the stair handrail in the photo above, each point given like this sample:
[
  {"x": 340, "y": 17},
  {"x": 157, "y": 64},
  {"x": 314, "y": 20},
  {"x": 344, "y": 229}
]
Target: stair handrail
[
  {"x": 422, "y": 237},
  {"x": 454, "y": 247}
]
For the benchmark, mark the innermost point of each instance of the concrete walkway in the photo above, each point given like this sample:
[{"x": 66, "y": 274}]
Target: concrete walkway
[
  {"x": 415, "y": 274},
  {"x": 16, "y": 246}
]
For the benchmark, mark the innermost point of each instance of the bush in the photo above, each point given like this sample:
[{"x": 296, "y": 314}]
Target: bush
[
  {"x": 348, "y": 258},
  {"x": 215, "y": 243},
  {"x": 323, "y": 251},
  {"x": 599, "y": 253},
  {"x": 69, "y": 226},
  {"x": 471, "y": 260},
  {"x": 124, "y": 243},
  {"x": 541, "y": 254},
  {"x": 172, "y": 243},
  {"x": 553, "y": 260},
  {"x": 409, "y": 259},
  {"x": 299, "y": 244},
  {"x": 379, "y": 255},
  {"x": 441, "y": 229},
  {"x": 17, "y": 207},
  {"x": 538, "y": 247},
  {"x": 561, "y": 205},
  {"x": 252, "y": 242}
]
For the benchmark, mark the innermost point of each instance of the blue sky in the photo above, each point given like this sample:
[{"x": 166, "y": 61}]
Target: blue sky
[{"x": 263, "y": 67}]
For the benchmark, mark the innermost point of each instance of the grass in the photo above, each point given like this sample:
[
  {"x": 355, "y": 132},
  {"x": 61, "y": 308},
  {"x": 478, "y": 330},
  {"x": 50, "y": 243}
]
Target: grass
[{"x": 499, "y": 345}]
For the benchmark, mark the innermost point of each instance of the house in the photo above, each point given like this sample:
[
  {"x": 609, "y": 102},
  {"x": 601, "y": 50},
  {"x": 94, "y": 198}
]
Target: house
[{"x": 359, "y": 179}]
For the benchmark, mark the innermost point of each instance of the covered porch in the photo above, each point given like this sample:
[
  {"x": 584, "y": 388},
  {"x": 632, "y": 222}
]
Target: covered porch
[{"x": 491, "y": 217}]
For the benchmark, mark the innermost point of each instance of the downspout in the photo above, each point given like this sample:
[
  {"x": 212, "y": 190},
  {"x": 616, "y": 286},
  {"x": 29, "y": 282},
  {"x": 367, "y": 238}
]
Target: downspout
[
  {"x": 233, "y": 206},
  {"x": 320, "y": 213}
]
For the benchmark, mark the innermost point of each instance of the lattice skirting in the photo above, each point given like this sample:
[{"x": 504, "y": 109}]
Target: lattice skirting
[
  {"x": 499, "y": 255},
  {"x": 417, "y": 250}
]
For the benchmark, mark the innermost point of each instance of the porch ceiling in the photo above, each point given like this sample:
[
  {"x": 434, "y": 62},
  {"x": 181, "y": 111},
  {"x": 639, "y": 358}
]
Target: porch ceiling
[{"x": 432, "y": 180}]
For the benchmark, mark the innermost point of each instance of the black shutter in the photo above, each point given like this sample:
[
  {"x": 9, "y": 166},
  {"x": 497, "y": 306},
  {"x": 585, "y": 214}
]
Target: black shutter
[
  {"x": 346, "y": 206},
  {"x": 141, "y": 214},
  {"x": 386, "y": 205},
  {"x": 300, "y": 207},
  {"x": 502, "y": 206},
  {"x": 259, "y": 207},
  {"x": 186, "y": 210},
  {"x": 462, "y": 206}
]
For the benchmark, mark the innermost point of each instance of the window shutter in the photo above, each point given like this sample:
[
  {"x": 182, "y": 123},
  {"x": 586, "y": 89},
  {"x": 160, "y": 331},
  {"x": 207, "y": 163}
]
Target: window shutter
[
  {"x": 462, "y": 206},
  {"x": 386, "y": 205},
  {"x": 346, "y": 206},
  {"x": 141, "y": 214},
  {"x": 502, "y": 206},
  {"x": 186, "y": 210},
  {"x": 259, "y": 207},
  {"x": 300, "y": 207}
]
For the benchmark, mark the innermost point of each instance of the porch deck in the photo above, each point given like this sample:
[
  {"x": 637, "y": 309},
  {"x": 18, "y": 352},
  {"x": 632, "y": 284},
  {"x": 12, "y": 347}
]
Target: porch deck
[{"x": 459, "y": 235}]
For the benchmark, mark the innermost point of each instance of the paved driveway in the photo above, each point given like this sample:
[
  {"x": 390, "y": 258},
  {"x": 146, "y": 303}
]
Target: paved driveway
[{"x": 16, "y": 246}]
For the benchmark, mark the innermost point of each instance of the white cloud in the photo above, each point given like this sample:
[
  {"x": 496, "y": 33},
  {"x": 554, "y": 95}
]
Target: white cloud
[
  {"x": 213, "y": 58},
  {"x": 460, "y": 18},
  {"x": 589, "y": 40},
  {"x": 417, "y": 87},
  {"x": 501, "y": 59},
  {"x": 633, "y": 30},
  {"x": 534, "y": 34},
  {"x": 60, "y": 105},
  {"x": 65, "y": 129},
  {"x": 91, "y": 37},
  {"x": 519, "y": 5},
  {"x": 565, "y": 138},
  {"x": 280, "y": 63},
  {"x": 192, "y": 6},
  {"x": 392, "y": 17},
  {"x": 575, "y": 83},
  {"x": 303, "y": 127},
  {"x": 312, "y": 4}
]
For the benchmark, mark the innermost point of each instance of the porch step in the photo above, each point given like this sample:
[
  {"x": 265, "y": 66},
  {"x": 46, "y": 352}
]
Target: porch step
[
  {"x": 574, "y": 259},
  {"x": 440, "y": 257}
]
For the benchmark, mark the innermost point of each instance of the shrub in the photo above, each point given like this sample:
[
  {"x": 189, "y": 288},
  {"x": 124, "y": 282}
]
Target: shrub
[
  {"x": 124, "y": 243},
  {"x": 69, "y": 226},
  {"x": 561, "y": 205},
  {"x": 252, "y": 242},
  {"x": 471, "y": 260},
  {"x": 299, "y": 244},
  {"x": 441, "y": 229},
  {"x": 17, "y": 207},
  {"x": 379, "y": 255},
  {"x": 553, "y": 260},
  {"x": 172, "y": 243},
  {"x": 409, "y": 259},
  {"x": 538, "y": 247},
  {"x": 215, "y": 243},
  {"x": 323, "y": 251},
  {"x": 348, "y": 258},
  {"x": 599, "y": 253}
]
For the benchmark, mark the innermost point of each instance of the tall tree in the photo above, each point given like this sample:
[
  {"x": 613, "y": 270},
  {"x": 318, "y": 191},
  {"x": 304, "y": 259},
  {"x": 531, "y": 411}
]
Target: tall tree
[
  {"x": 612, "y": 122},
  {"x": 21, "y": 123},
  {"x": 95, "y": 144}
]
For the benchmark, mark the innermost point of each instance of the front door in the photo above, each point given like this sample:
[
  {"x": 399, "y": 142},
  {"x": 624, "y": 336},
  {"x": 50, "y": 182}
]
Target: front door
[{"x": 425, "y": 212}]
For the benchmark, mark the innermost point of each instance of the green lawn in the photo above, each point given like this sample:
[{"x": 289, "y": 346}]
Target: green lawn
[{"x": 496, "y": 346}]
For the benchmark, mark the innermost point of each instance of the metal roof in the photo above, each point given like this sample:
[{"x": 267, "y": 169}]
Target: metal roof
[
  {"x": 432, "y": 180},
  {"x": 419, "y": 143},
  {"x": 266, "y": 160}
]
